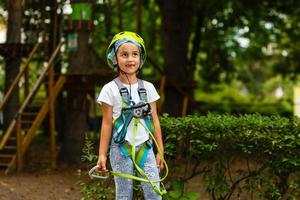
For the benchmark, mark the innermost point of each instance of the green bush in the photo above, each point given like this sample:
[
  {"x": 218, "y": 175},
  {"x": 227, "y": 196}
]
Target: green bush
[{"x": 215, "y": 142}]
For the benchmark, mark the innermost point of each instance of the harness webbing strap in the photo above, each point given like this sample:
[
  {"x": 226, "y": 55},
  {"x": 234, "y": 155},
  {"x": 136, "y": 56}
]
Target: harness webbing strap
[
  {"x": 143, "y": 96},
  {"x": 121, "y": 125},
  {"x": 142, "y": 91},
  {"x": 141, "y": 154},
  {"x": 140, "y": 171},
  {"x": 123, "y": 92}
]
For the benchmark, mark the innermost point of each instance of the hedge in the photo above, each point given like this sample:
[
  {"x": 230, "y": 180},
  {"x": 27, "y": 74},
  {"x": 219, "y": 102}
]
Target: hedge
[{"x": 267, "y": 146}]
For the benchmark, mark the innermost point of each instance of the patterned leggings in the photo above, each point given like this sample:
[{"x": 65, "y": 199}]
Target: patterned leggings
[{"x": 124, "y": 187}]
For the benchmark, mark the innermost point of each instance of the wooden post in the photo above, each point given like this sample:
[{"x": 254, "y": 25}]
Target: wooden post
[
  {"x": 26, "y": 83},
  {"x": 162, "y": 91},
  {"x": 51, "y": 95},
  {"x": 185, "y": 105},
  {"x": 52, "y": 117},
  {"x": 20, "y": 163}
]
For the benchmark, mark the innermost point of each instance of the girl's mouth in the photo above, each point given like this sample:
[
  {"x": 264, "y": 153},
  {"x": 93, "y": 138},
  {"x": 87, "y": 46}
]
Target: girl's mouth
[{"x": 130, "y": 66}]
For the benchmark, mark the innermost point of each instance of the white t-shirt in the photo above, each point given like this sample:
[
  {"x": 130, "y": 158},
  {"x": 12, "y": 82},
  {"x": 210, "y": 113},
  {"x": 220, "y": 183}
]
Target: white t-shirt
[{"x": 110, "y": 94}]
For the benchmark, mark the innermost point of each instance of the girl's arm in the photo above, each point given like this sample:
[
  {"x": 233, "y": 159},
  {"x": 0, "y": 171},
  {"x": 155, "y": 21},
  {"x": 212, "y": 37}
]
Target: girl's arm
[
  {"x": 106, "y": 129},
  {"x": 157, "y": 135}
]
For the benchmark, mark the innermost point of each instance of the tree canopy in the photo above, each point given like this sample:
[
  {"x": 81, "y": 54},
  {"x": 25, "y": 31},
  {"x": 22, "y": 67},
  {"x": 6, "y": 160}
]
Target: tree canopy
[{"x": 219, "y": 41}]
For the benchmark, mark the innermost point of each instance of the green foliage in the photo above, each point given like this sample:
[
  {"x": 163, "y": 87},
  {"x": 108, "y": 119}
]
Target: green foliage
[
  {"x": 93, "y": 189},
  {"x": 176, "y": 192},
  {"x": 267, "y": 149},
  {"x": 234, "y": 98},
  {"x": 88, "y": 152}
]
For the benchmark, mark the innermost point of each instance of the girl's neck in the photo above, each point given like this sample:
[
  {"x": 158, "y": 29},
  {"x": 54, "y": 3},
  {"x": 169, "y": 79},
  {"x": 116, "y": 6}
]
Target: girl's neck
[{"x": 130, "y": 79}]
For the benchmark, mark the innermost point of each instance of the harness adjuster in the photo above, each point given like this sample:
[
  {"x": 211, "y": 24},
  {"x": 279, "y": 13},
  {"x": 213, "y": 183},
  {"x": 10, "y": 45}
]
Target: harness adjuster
[
  {"x": 124, "y": 92},
  {"x": 142, "y": 93}
]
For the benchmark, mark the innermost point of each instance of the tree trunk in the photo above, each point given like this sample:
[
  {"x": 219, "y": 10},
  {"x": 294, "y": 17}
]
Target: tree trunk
[
  {"x": 196, "y": 40},
  {"x": 76, "y": 113},
  {"x": 12, "y": 61},
  {"x": 176, "y": 21},
  {"x": 108, "y": 20},
  {"x": 55, "y": 30},
  {"x": 138, "y": 16},
  {"x": 120, "y": 23}
]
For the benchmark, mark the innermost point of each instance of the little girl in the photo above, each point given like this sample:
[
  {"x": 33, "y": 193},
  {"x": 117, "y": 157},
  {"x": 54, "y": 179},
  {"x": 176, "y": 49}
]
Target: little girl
[{"x": 129, "y": 115}]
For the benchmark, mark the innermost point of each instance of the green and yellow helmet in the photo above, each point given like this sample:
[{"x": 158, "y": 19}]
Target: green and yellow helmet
[{"x": 118, "y": 40}]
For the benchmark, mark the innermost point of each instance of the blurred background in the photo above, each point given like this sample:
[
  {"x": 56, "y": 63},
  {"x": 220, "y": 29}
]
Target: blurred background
[{"x": 234, "y": 57}]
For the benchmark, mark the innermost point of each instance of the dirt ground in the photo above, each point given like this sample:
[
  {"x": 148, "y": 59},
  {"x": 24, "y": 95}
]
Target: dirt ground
[
  {"x": 38, "y": 181},
  {"x": 61, "y": 184}
]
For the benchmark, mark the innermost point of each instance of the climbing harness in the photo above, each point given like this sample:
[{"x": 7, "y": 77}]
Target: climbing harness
[{"x": 137, "y": 112}]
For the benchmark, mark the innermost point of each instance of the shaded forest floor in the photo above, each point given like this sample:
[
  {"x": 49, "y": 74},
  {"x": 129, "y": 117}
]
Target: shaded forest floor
[
  {"x": 40, "y": 185},
  {"x": 38, "y": 181}
]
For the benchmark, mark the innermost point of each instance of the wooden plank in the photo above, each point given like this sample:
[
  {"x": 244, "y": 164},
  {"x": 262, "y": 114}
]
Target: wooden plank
[
  {"x": 6, "y": 155},
  {"x": 52, "y": 118},
  {"x": 162, "y": 85},
  {"x": 19, "y": 148},
  {"x": 10, "y": 147},
  {"x": 3, "y": 164},
  {"x": 7, "y": 134},
  {"x": 12, "y": 165}
]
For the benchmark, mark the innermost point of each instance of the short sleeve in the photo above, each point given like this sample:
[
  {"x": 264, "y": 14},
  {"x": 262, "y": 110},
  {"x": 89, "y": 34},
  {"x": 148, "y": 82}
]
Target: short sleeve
[
  {"x": 106, "y": 95},
  {"x": 151, "y": 92}
]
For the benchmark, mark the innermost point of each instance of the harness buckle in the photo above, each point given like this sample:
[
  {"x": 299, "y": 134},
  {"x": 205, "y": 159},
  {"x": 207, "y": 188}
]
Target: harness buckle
[
  {"x": 124, "y": 92},
  {"x": 143, "y": 94}
]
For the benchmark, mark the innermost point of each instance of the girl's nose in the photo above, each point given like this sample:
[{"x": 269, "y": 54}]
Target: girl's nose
[{"x": 130, "y": 57}]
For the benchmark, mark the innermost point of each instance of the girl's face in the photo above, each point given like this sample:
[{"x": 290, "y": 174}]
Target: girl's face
[{"x": 128, "y": 58}]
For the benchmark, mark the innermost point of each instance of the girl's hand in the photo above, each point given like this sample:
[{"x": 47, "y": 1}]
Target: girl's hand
[
  {"x": 102, "y": 164},
  {"x": 159, "y": 162}
]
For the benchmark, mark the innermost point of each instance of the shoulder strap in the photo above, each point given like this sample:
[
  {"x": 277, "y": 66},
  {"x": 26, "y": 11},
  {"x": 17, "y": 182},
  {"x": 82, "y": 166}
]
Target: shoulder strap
[
  {"x": 142, "y": 91},
  {"x": 123, "y": 90}
]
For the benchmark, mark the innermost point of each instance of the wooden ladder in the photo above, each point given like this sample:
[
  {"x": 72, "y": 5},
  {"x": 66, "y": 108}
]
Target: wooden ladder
[{"x": 32, "y": 112}]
